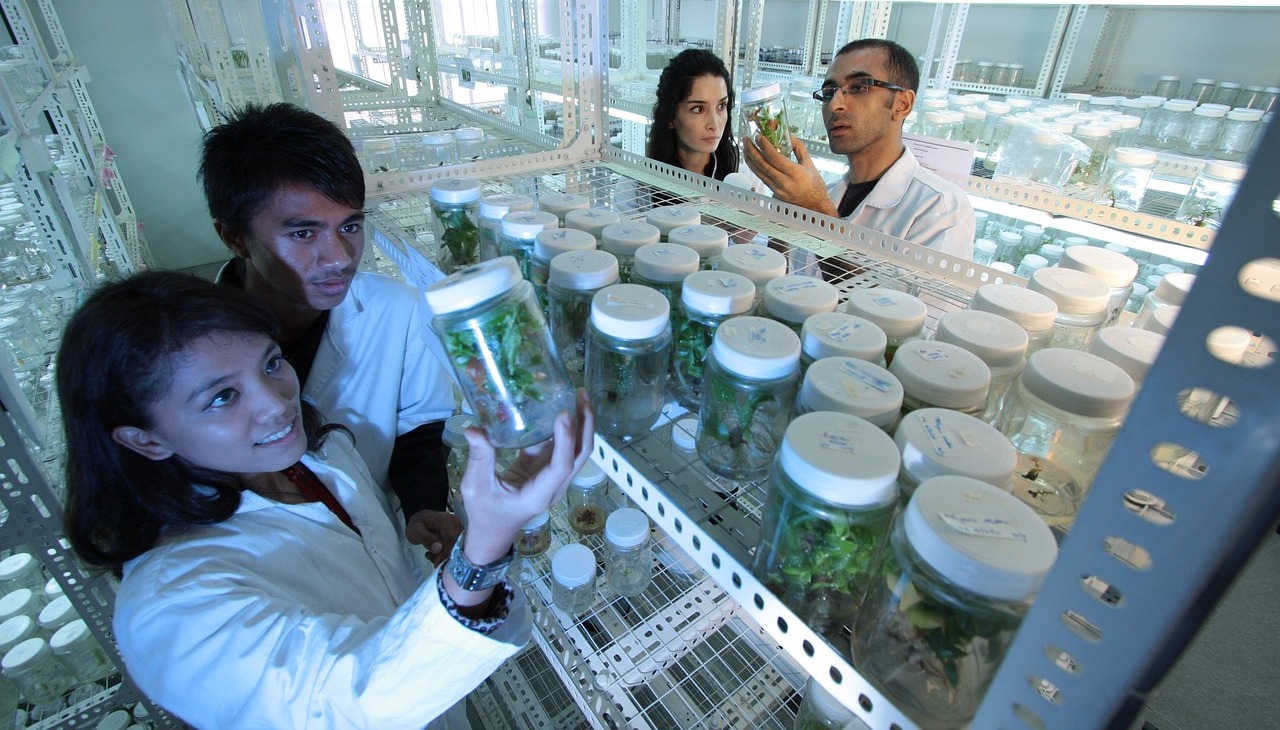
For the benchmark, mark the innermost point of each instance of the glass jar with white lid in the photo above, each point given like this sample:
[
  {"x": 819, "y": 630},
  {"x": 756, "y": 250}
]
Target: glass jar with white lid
[
  {"x": 1238, "y": 132},
  {"x": 438, "y": 149},
  {"x": 1133, "y": 350},
  {"x": 709, "y": 241},
  {"x": 1170, "y": 291},
  {"x": 749, "y": 388},
  {"x": 1032, "y": 311},
  {"x": 380, "y": 154},
  {"x": 793, "y": 298},
  {"x": 492, "y": 210},
  {"x": 549, "y": 243},
  {"x": 468, "y": 142},
  {"x": 669, "y": 217},
  {"x": 628, "y": 556},
  {"x": 559, "y": 204},
  {"x": 707, "y": 299},
  {"x": 21, "y": 570},
  {"x": 663, "y": 267},
  {"x": 854, "y": 387},
  {"x": 591, "y": 220},
  {"x": 1211, "y": 193},
  {"x": 518, "y": 232},
  {"x": 1125, "y": 178},
  {"x": 832, "y": 496},
  {"x": 57, "y": 613},
  {"x": 572, "y": 281},
  {"x": 34, "y": 670},
  {"x": 837, "y": 334},
  {"x": 1030, "y": 264},
  {"x": 588, "y": 499},
  {"x": 764, "y": 113},
  {"x": 1116, "y": 270},
  {"x": 941, "y": 375},
  {"x": 1097, "y": 137},
  {"x": 15, "y": 630},
  {"x": 999, "y": 341},
  {"x": 900, "y": 315},
  {"x": 78, "y": 650},
  {"x": 628, "y": 357},
  {"x": 455, "y": 204},
  {"x": 573, "y": 573},
  {"x": 22, "y": 602},
  {"x": 1083, "y": 304},
  {"x": 820, "y": 710},
  {"x": 760, "y": 264},
  {"x": 535, "y": 536},
  {"x": 934, "y": 626},
  {"x": 937, "y": 442},
  {"x": 624, "y": 239},
  {"x": 1202, "y": 131},
  {"x": 1171, "y": 123}
]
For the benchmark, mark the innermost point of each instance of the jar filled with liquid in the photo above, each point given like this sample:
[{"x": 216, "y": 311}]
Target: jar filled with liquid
[
  {"x": 854, "y": 387},
  {"x": 1239, "y": 129},
  {"x": 628, "y": 351},
  {"x": 1202, "y": 131},
  {"x": 573, "y": 573},
  {"x": 468, "y": 142},
  {"x": 707, "y": 299},
  {"x": 941, "y": 375},
  {"x": 573, "y": 279},
  {"x": 21, "y": 570},
  {"x": 1132, "y": 350},
  {"x": 628, "y": 556},
  {"x": 438, "y": 149}
]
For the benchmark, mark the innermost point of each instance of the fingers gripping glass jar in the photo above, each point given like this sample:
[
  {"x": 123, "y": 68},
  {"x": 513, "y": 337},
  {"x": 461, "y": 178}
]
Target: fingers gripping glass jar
[
  {"x": 519, "y": 231},
  {"x": 548, "y": 244},
  {"x": 628, "y": 557},
  {"x": 791, "y": 299},
  {"x": 492, "y": 210},
  {"x": 707, "y": 299},
  {"x": 573, "y": 279},
  {"x": 709, "y": 241},
  {"x": 852, "y": 386},
  {"x": 934, "y": 626},
  {"x": 455, "y": 203},
  {"x": 941, "y": 375},
  {"x": 591, "y": 220},
  {"x": 559, "y": 204},
  {"x": 750, "y": 387},
  {"x": 899, "y": 314},
  {"x": 1083, "y": 300},
  {"x": 831, "y": 499},
  {"x": 624, "y": 239},
  {"x": 628, "y": 351},
  {"x": 500, "y": 348},
  {"x": 669, "y": 217},
  {"x": 936, "y": 442},
  {"x": 764, "y": 113}
]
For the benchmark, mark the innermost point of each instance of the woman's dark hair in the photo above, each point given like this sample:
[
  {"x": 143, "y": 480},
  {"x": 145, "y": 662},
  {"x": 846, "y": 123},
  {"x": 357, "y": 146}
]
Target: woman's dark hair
[
  {"x": 116, "y": 360},
  {"x": 259, "y": 149},
  {"x": 674, "y": 86}
]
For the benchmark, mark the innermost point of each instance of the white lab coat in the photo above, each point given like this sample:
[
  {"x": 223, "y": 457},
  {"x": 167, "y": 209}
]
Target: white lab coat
[
  {"x": 917, "y": 205},
  {"x": 282, "y": 617}
]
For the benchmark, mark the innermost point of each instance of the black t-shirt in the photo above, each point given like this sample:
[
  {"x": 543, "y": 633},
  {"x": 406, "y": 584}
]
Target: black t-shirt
[{"x": 853, "y": 197}]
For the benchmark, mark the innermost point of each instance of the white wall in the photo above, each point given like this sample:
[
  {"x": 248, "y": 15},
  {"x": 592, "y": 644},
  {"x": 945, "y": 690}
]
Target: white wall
[{"x": 148, "y": 120}]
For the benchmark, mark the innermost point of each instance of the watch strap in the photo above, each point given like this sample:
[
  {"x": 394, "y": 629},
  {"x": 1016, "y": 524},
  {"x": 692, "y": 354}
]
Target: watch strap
[{"x": 472, "y": 577}]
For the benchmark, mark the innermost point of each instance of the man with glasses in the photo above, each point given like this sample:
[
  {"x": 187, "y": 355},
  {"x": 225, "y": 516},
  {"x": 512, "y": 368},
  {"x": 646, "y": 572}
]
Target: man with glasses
[{"x": 869, "y": 90}]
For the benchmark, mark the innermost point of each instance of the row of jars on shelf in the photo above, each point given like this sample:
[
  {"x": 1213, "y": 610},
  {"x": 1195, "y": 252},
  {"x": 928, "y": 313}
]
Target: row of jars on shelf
[{"x": 425, "y": 149}]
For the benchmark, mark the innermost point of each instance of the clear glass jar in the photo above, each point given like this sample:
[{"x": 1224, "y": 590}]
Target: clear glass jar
[
  {"x": 573, "y": 573},
  {"x": 1238, "y": 132},
  {"x": 78, "y": 650},
  {"x": 1066, "y": 409},
  {"x": 22, "y": 602},
  {"x": 793, "y": 298},
  {"x": 1116, "y": 270},
  {"x": 628, "y": 357},
  {"x": 501, "y": 351},
  {"x": 1225, "y": 94},
  {"x": 588, "y": 500},
  {"x": 995, "y": 111},
  {"x": 1083, "y": 300},
  {"x": 1202, "y": 91},
  {"x": 760, "y": 264},
  {"x": 591, "y": 220},
  {"x": 1171, "y": 123},
  {"x": 1030, "y": 264},
  {"x": 438, "y": 149},
  {"x": 820, "y": 710},
  {"x": 57, "y": 613},
  {"x": 455, "y": 465},
  {"x": 21, "y": 570},
  {"x": 832, "y": 495},
  {"x": 1052, "y": 253},
  {"x": 1097, "y": 137},
  {"x": 1167, "y": 86},
  {"x": 1210, "y": 194},
  {"x": 572, "y": 281},
  {"x": 1015, "y": 74},
  {"x": 935, "y": 442},
  {"x": 669, "y": 217},
  {"x": 707, "y": 299},
  {"x": 628, "y": 556},
  {"x": 1202, "y": 131},
  {"x": 1132, "y": 350},
  {"x": 854, "y": 387},
  {"x": 455, "y": 205},
  {"x": 998, "y": 341},
  {"x": 942, "y": 124},
  {"x": 1009, "y": 247},
  {"x": 380, "y": 154},
  {"x": 15, "y": 630},
  {"x": 518, "y": 232},
  {"x": 624, "y": 239},
  {"x": 1169, "y": 292},
  {"x": 1125, "y": 177},
  {"x": 535, "y": 537},
  {"x": 836, "y": 334},
  {"x": 900, "y": 315},
  {"x": 549, "y": 243},
  {"x": 751, "y": 376},
  {"x": 975, "y": 125},
  {"x": 985, "y": 71},
  {"x": 663, "y": 267},
  {"x": 34, "y": 670},
  {"x": 984, "y": 251},
  {"x": 935, "y": 624},
  {"x": 559, "y": 204},
  {"x": 941, "y": 375},
  {"x": 709, "y": 241},
  {"x": 1000, "y": 75},
  {"x": 492, "y": 210},
  {"x": 764, "y": 113},
  {"x": 468, "y": 143}
]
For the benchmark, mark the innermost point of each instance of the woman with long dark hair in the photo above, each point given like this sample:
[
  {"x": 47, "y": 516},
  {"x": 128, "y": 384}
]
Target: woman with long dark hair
[{"x": 692, "y": 116}]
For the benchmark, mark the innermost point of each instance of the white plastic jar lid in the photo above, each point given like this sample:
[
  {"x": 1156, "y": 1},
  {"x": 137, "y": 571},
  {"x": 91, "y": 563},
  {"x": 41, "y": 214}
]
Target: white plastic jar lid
[
  {"x": 932, "y": 105},
  {"x": 21, "y": 601},
  {"x": 941, "y": 374},
  {"x": 665, "y": 262},
  {"x": 583, "y": 270},
  {"x": 591, "y": 220},
  {"x": 626, "y": 528},
  {"x": 1033, "y": 261},
  {"x": 1161, "y": 320},
  {"x": 1228, "y": 343},
  {"x": 630, "y": 312},
  {"x": 1210, "y": 112},
  {"x": 437, "y": 139},
  {"x": 1168, "y": 268},
  {"x": 573, "y": 565},
  {"x": 974, "y": 113},
  {"x": 1033, "y": 311},
  {"x": 985, "y": 245},
  {"x": 379, "y": 144},
  {"x": 856, "y": 387},
  {"x": 707, "y": 240},
  {"x": 590, "y": 475},
  {"x": 840, "y": 459},
  {"x": 455, "y": 429},
  {"x": 455, "y": 190},
  {"x": 525, "y": 225},
  {"x": 115, "y": 720},
  {"x": 828, "y": 706},
  {"x": 551, "y": 242},
  {"x": 1114, "y": 269},
  {"x": 1071, "y": 241},
  {"x": 26, "y": 654},
  {"x": 1078, "y": 382},
  {"x": 836, "y": 334},
  {"x": 538, "y": 521},
  {"x": 794, "y": 297},
  {"x": 755, "y": 347},
  {"x": 939, "y": 441},
  {"x": 1133, "y": 350},
  {"x": 52, "y": 589},
  {"x": 558, "y": 204},
  {"x": 1245, "y": 115},
  {"x": 1225, "y": 170},
  {"x": 16, "y": 565},
  {"x": 1093, "y": 131},
  {"x": 472, "y": 285},
  {"x": 897, "y": 313},
  {"x": 937, "y": 116},
  {"x": 672, "y": 216},
  {"x": 761, "y": 92},
  {"x": 998, "y": 341},
  {"x": 1010, "y": 237},
  {"x": 15, "y": 630},
  {"x": 1128, "y": 121},
  {"x": 622, "y": 239},
  {"x": 1075, "y": 292},
  {"x": 56, "y": 612},
  {"x": 468, "y": 134},
  {"x": 1173, "y": 288},
  {"x": 684, "y": 433},
  {"x": 496, "y": 206},
  {"x": 1134, "y": 156},
  {"x": 1180, "y": 105},
  {"x": 758, "y": 263},
  {"x": 996, "y": 107},
  {"x": 980, "y": 538},
  {"x": 717, "y": 292},
  {"x": 1052, "y": 249}
]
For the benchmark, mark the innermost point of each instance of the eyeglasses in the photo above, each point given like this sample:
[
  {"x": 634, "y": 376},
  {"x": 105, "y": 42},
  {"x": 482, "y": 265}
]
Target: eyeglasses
[{"x": 859, "y": 85}]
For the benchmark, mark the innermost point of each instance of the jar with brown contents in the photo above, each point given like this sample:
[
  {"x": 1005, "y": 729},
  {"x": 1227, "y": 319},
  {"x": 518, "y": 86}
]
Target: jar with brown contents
[{"x": 588, "y": 500}]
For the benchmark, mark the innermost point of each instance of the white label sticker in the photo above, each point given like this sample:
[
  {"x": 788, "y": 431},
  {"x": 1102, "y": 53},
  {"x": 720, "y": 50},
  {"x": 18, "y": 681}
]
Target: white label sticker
[
  {"x": 798, "y": 286},
  {"x": 939, "y": 441},
  {"x": 931, "y": 355},
  {"x": 981, "y": 526},
  {"x": 632, "y": 302},
  {"x": 843, "y": 332},
  {"x": 863, "y": 376}
]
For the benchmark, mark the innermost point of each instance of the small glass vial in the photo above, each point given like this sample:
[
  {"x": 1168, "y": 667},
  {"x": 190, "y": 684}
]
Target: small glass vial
[
  {"x": 572, "y": 280},
  {"x": 588, "y": 500},
  {"x": 518, "y": 232},
  {"x": 709, "y": 241},
  {"x": 380, "y": 154},
  {"x": 1171, "y": 123},
  {"x": 836, "y": 334},
  {"x": 831, "y": 499},
  {"x": 492, "y": 210},
  {"x": 663, "y": 267},
  {"x": 1083, "y": 300},
  {"x": 764, "y": 113},
  {"x": 1066, "y": 409},
  {"x": 854, "y": 387},
  {"x": 58, "y": 613},
  {"x": 501, "y": 351},
  {"x": 1032, "y": 311},
  {"x": 1132, "y": 350},
  {"x": 1238, "y": 132},
  {"x": 33, "y": 669},
  {"x": 438, "y": 149},
  {"x": 752, "y": 372},
  {"x": 79, "y": 651},
  {"x": 937, "y": 442},
  {"x": 591, "y": 220},
  {"x": 1211, "y": 194},
  {"x": 455, "y": 205},
  {"x": 1170, "y": 292},
  {"x": 760, "y": 264},
  {"x": 941, "y": 375},
  {"x": 707, "y": 299},
  {"x": 455, "y": 465},
  {"x": 21, "y": 570},
  {"x": 559, "y": 204},
  {"x": 22, "y": 602},
  {"x": 1167, "y": 86},
  {"x": 549, "y": 243},
  {"x": 624, "y": 239},
  {"x": 669, "y": 217},
  {"x": 1000, "y": 343},
  {"x": 1115, "y": 270},
  {"x": 1202, "y": 131},
  {"x": 934, "y": 627},
  {"x": 984, "y": 251},
  {"x": 820, "y": 710},
  {"x": 1125, "y": 177},
  {"x": 468, "y": 142},
  {"x": 628, "y": 556},
  {"x": 793, "y": 298},
  {"x": 573, "y": 570},
  {"x": 535, "y": 537},
  {"x": 628, "y": 351},
  {"x": 899, "y": 314}
]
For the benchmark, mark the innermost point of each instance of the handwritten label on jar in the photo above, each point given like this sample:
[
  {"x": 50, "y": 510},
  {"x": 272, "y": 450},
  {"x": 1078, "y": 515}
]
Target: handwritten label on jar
[
  {"x": 727, "y": 283},
  {"x": 796, "y": 287},
  {"x": 980, "y": 526},
  {"x": 1091, "y": 370},
  {"x": 883, "y": 301},
  {"x": 862, "y": 376},
  {"x": 929, "y": 355},
  {"x": 629, "y": 302},
  {"x": 757, "y": 334},
  {"x": 832, "y": 441},
  {"x": 843, "y": 332},
  {"x": 753, "y": 253}
]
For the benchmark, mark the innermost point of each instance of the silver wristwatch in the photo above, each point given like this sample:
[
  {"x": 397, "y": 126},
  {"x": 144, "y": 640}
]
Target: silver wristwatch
[{"x": 472, "y": 577}]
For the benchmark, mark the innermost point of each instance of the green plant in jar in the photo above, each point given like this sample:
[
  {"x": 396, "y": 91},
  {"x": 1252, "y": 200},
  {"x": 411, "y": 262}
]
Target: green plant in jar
[
  {"x": 500, "y": 340},
  {"x": 692, "y": 341},
  {"x": 455, "y": 203},
  {"x": 461, "y": 236}
]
